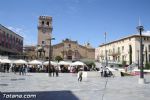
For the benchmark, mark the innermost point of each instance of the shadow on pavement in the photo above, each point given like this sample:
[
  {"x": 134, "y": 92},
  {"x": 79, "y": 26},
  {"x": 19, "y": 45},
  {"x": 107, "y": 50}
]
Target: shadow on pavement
[
  {"x": 42, "y": 95},
  {"x": 147, "y": 82}
]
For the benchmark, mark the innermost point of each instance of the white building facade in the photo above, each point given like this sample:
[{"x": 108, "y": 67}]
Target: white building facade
[{"x": 125, "y": 49}]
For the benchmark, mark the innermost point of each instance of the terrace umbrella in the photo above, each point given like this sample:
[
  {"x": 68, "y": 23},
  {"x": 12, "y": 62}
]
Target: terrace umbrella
[
  {"x": 64, "y": 63},
  {"x": 52, "y": 63},
  {"x": 35, "y": 62},
  {"x": 3, "y": 61},
  {"x": 20, "y": 61},
  {"x": 78, "y": 63}
]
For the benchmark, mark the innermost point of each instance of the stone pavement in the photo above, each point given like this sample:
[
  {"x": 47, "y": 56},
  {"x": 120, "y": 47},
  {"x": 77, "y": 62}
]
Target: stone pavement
[{"x": 66, "y": 87}]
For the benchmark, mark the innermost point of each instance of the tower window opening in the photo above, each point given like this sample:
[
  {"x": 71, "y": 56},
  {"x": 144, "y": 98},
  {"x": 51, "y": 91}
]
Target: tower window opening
[
  {"x": 43, "y": 42},
  {"x": 42, "y": 22},
  {"x": 47, "y": 23}
]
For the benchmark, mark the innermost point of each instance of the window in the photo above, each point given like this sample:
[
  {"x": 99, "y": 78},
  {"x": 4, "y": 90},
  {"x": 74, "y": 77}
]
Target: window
[
  {"x": 122, "y": 48},
  {"x": 43, "y": 42},
  {"x": 143, "y": 46},
  {"x": 118, "y": 58},
  {"x": 2, "y": 43},
  {"x": 47, "y": 23},
  {"x": 118, "y": 49},
  {"x": 129, "y": 39},
  {"x": 7, "y": 35},
  {"x": 69, "y": 45},
  {"x": 149, "y": 58},
  {"x": 42, "y": 22},
  {"x": 113, "y": 50},
  {"x": 143, "y": 57},
  {"x": 149, "y": 48}
]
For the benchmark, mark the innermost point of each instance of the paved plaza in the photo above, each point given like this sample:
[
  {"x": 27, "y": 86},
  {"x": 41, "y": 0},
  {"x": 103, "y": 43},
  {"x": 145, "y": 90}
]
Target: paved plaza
[{"x": 66, "y": 87}]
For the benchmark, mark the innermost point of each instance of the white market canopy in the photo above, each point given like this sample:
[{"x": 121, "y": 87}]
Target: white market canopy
[
  {"x": 35, "y": 62},
  {"x": 20, "y": 61},
  {"x": 64, "y": 63},
  {"x": 3, "y": 61},
  {"x": 78, "y": 63},
  {"x": 52, "y": 63}
]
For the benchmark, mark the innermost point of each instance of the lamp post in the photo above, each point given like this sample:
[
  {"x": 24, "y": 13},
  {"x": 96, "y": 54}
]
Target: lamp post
[
  {"x": 140, "y": 28},
  {"x": 106, "y": 63},
  {"x": 50, "y": 54},
  {"x": 43, "y": 51},
  {"x": 138, "y": 58}
]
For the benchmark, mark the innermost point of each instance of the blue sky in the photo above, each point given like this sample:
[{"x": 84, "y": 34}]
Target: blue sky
[{"x": 81, "y": 20}]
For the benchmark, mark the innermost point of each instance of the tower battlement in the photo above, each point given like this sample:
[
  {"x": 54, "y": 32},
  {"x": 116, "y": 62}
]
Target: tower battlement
[{"x": 45, "y": 17}]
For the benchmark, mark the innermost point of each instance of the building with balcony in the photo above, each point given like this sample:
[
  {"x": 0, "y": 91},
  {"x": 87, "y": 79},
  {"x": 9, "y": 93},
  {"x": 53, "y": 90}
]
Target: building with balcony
[
  {"x": 124, "y": 49},
  {"x": 11, "y": 44}
]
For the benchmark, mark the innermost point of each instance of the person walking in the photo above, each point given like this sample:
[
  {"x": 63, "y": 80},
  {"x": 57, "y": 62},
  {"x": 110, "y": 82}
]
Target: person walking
[
  {"x": 105, "y": 71},
  {"x": 57, "y": 71},
  {"x": 50, "y": 71},
  {"x": 53, "y": 71},
  {"x": 4, "y": 68},
  {"x": 80, "y": 76},
  {"x": 7, "y": 68},
  {"x": 20, "y": 70},
  {"x": 14, "y": 68},
  {"x": 101, "y": 71}
]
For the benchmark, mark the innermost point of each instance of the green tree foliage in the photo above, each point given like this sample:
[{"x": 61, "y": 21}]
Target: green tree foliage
[
  {"x": 58, "y": 58},
  {"x": 146, "y": 59},
  {"x": 130, "y": 54},
  {"x": 124, "y": 63},
  {"x": 90, "y": 64},
  {"x": 147, "y": 66}
]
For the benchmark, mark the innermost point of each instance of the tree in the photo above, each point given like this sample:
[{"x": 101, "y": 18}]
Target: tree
[
  {"x": 58, "y": 58},
  {"x": 124, "y": 63},
  {"x": 90, "y": 64},
  {"x": 146, "y": 56},
  {"x": 130, "y": 54},
  {"x": 147, "y": 65}
]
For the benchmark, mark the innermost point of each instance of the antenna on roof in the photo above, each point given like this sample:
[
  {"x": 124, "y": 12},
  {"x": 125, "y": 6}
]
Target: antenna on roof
[
  {"x": 69, "y": 36},
  {"x": 139, "y": 21}
]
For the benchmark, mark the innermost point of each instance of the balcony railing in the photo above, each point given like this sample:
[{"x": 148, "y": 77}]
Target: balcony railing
[{"x": 114, "y": 54}]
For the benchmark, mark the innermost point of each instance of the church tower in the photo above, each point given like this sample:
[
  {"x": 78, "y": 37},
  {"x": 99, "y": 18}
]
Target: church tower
[{"x": 44, "y": 33}]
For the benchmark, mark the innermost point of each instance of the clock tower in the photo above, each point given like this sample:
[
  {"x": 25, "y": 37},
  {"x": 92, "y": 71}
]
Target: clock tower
[{"x": 44, "y": 33}]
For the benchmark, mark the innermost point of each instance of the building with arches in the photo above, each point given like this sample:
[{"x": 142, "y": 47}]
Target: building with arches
[
  {"x": 67, "y": 49},
  {"x": 71, "y": 50}
]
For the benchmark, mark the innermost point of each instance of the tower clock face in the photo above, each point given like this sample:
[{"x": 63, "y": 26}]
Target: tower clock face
[{"x": 44, "y": 30}]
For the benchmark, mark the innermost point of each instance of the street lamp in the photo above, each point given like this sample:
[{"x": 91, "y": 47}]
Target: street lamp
[
  {"x": 138, "y": 58},
  {"x": 106, "y": 62},
  {"x": 43, "y": 46},
  {"x": 140, "y": 28},
  {"x": 50, "y": 55}
]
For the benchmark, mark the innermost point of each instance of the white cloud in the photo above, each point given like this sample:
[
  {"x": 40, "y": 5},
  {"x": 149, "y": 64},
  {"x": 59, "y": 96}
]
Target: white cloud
[
  {"x": 16, "y": 30},
  {"x": 25, "y": 34},
  {"x": 146, "y": 33}
]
